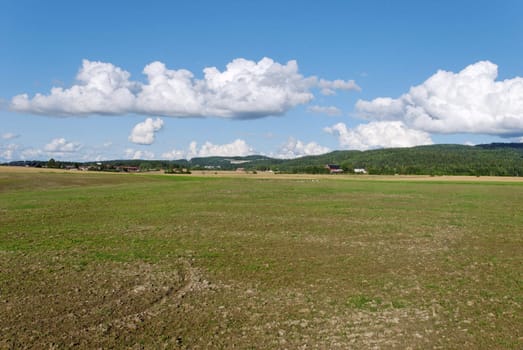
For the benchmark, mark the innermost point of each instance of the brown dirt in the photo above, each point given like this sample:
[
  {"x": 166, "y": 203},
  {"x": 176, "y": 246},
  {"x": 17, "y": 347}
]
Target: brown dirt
[{"x": 93, "y": 306}]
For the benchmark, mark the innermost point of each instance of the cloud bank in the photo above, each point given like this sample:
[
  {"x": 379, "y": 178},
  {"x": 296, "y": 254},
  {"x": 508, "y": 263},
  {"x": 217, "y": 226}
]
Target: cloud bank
[
  {"x": 378, "y": 135},
  {"x": 58, "y": 147},
  {"x": 294, "y": 148},
  {"x": 7, "y": 152},
  {"x": 143, "y": 133},
  {"x": 471, "y": 101},
  {"x": 245, "y": 89},
  {"x": 139, "y": 154},
  {"x": 236, "y": 148}
]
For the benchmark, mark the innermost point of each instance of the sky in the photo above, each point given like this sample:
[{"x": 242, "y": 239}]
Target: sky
[{"x": 103, "y": 80}]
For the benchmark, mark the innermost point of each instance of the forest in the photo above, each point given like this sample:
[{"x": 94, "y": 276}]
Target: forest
[{"x": 495, "y": 159}]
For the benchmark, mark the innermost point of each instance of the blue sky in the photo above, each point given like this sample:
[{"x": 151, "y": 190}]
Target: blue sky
[{"x": 291, "y": 78}]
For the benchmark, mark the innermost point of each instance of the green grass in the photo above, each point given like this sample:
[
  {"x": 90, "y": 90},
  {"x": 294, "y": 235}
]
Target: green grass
[{"x": 334, "y": 263}]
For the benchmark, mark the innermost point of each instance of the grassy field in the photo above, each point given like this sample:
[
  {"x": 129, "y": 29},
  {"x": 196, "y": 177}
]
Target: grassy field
[{"x": 202, "y": 262}]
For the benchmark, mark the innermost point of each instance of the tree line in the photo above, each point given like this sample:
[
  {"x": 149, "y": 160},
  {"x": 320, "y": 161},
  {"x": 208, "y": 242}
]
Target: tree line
[{"x": 497, "y": 159}]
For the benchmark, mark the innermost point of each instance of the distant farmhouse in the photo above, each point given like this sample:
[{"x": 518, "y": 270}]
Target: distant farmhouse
[
  {"x": 128, "y": 169},
  {"x": 334, "y": 168}
]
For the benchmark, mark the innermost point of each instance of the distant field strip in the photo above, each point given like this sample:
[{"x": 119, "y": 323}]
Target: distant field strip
[{"x": 259, "y": 261}]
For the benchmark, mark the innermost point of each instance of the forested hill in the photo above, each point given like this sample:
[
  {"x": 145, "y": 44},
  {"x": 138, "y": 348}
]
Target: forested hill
[
  {"x": 496, "y": 159},
  {"x": 493, "y": 159}
]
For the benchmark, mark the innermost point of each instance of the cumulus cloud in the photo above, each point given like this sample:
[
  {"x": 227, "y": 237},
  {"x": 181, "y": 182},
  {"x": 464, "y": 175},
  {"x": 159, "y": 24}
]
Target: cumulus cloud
[
  {"x": 101, "y": 88},
  {"x": 471, "y": 101},
  {"x": 58, "y": 148},
  {"x": 193, "y": 150},
  {"x": 378, "y": 135},
  {"x": 291, "y": 149},
  {"x": 11, "y": 152},
  {"x": 143, "y": 133},
  {"x": 294, "y": 148},
  {"x": 138, "y": 154},
  {"x": 236, "y": 148},
  {"x": 9, "y": 136},
  {"x": 174, "y": 154},
  {"x": 31, "y": 154},
  {"x": 7, "y": 152},
  {"x": 245, "y": 89},
  {"x": 61, "y": 145},
  {"x": 329, "y": 110}
]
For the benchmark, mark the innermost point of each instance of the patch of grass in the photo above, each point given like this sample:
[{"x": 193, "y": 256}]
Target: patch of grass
[
  {"x": 364, "y": 302},
  {"x": 399, "y": 304}
]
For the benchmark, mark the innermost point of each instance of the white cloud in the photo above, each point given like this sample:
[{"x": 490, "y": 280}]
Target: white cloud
[
  {"x": 61, "y": 145},
  {"x": 291, "y": 149},
  {"x": 9, "y": 136},
  {"x": 7, "y": 152},
  {"x": 102, "y": 89},
  {"x": 378, "y": 135},
  {"x": 295, "y": 148},
  {"x": 471, "y": 101},
  {"x": 31, "y": 154},
  {"x": 329, "y": 110},
  {"x": 13, "y": 152},
  {"x": 143, "y": 133},
  {"x": 98, "y": 158},
  {"x": 193, "y": 150},
  {"x": 236, "y": 148},
  {"x": 58, "y": 148},
  {"x": 138, "y": 154},
  {"x": 174, "y": 154},
  {"x": 245, "y": 89},
  {"x": 329, "y": 87}
]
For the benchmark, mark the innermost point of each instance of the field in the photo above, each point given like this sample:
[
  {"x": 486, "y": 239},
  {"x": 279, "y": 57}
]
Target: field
[{"x": 259, "y": 262}]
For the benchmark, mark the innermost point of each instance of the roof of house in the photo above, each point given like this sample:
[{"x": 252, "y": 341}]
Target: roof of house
[{"x": 333, "y": 166}]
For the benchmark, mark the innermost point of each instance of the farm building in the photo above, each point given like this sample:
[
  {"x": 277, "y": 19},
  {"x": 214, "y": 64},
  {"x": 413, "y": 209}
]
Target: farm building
[
  {"x": 334, "y": 169},
  {"x": 128, "y": 169}
]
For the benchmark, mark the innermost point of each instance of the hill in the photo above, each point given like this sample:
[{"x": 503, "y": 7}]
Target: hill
[{"x": 495, "y": 159}]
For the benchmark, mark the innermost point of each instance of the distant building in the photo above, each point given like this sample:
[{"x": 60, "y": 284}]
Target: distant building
[
  {"x": 360, "y": 171},
  {"x": 128, "y": 169},
  {"x": 334, "y": 168}
]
